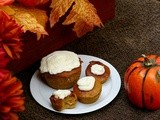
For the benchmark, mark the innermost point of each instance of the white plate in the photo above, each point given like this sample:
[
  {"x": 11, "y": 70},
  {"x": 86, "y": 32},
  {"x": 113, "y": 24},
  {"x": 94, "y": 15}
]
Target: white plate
[{"x": 42, "y": 92}]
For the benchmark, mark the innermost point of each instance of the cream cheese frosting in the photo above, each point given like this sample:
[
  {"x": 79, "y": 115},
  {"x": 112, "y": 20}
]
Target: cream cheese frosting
[
  {"x": 86, "y": 83},
  {"x": 97, "y": 69},
  {"x": 61, "y": 94},
  {"x": 59, "y": 61}
]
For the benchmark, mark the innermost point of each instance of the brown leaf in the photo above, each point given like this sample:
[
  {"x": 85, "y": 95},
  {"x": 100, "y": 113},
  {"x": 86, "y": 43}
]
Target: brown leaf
[{"x": 83, "y": 14}]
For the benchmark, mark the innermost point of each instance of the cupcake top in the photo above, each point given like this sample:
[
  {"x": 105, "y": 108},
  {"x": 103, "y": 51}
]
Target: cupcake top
[
  {"x": 86, "y": 83},
  {"x": 97, "y": 69},
  {"x": 59, "y": 61},
  {"x": 61, "y": 94}
]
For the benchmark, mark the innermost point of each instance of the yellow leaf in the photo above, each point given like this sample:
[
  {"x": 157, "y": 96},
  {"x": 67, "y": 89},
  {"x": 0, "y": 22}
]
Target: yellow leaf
[
  {"x": 32, "y": 19},
  {"x": 83, "y": 14}
]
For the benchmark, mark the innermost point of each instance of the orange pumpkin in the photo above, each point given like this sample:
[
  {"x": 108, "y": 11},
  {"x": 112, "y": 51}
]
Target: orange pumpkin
[{"x": 142, "y": 82}]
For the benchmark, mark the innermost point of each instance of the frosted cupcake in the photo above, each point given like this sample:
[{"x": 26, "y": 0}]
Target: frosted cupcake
[
  {"x": 61, "y": 69},
  {"x": 87, "y": 89}
]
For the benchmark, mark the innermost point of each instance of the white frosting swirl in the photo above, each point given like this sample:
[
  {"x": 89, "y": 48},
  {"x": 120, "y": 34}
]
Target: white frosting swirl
[
  {"x": 97, "y": 69},
  {"x": 86, "y": 83},
  {"x": 59, "y": 61}
]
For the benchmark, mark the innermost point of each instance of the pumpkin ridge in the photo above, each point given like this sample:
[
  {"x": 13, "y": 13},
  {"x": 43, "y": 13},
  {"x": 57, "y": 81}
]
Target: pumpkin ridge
[
  {"x": 131, "y": 73},
  {"x": 136, "y": 61},
  {"x": 143, "y": 100}
]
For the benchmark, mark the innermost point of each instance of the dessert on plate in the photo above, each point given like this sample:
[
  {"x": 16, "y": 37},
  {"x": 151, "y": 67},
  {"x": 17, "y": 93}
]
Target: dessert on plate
[
  {"x": 63, "y": 99},
  {"x": 98, "y": 70},
  {"x": 61, "y": 69},
  {"x": 87, "y": 89}
]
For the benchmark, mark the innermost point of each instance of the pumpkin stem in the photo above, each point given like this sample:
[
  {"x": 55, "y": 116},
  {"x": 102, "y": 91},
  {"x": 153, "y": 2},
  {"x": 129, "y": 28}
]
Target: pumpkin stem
[
  {"x": 147, "y": 62},
  {"x": 158, "y": 76},
  {"x": 158, "y": 73}
]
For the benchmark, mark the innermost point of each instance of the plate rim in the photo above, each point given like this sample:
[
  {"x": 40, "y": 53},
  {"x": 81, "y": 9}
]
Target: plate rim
[{"x": 115, "y": 93}]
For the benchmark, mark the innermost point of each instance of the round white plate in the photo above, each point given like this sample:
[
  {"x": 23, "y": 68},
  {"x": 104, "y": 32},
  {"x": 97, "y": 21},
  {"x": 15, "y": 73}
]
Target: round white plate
[{"x": 42, "y": 92}]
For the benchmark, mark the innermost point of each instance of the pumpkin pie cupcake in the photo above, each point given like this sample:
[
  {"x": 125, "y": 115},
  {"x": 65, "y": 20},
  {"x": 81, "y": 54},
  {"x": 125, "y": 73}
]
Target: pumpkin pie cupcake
[
  {"x": 61, "y": 69},
  {"x": 87, "y": 89},
  {"x": 98, "y": 70},
  {"x": 63, "y": 99}
]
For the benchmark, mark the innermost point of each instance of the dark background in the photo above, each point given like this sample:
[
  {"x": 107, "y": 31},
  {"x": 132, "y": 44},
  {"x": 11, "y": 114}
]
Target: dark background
[{"x": 134, "y": 30}]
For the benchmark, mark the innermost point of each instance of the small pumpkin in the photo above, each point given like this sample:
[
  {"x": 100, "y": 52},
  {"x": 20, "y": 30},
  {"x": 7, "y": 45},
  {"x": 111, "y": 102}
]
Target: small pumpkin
[{"x": 142, "y": 82}]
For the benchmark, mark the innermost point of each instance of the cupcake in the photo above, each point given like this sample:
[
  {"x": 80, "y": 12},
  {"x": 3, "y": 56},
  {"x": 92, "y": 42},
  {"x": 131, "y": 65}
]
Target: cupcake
[
  {"x": 98, "y": 70},
  {"x": 63, "y": 99},
  {"x": 61, "y": 69},
  {"x": 87, "y": 89}
]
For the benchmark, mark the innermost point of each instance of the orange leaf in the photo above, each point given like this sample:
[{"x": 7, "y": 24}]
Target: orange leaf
[
  {"x": 31, "y": 19},
  {"x": 59, "y": 8},
  {"x": 8, "y": 10},
  {"x": 83, "y": 14}
]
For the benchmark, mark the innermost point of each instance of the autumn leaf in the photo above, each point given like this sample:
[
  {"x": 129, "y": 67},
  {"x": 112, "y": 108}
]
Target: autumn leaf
[
  {"x": 8, "y": 10},
  {"x": 32, "y": 19},
  {"x": 83, "y": 14},
  {"x": 59, "y": 8}
]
